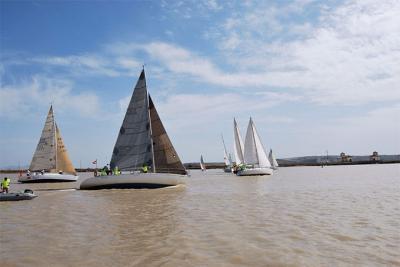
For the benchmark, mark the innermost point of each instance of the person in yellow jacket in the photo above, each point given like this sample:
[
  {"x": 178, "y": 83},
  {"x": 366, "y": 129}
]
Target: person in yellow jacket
[
  {"x": 5, "y": 184},
  {"x": 145, "y": 168},
  {"x": 116, "y": 171}
]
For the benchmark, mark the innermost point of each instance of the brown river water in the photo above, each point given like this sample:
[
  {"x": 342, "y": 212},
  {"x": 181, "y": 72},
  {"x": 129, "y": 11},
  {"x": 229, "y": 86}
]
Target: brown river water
[{"x": 300, "y": 216}]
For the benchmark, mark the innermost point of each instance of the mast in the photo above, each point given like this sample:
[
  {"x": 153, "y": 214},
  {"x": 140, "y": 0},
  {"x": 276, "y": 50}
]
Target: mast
[
  {"x": 151, "y": 128},
  {"x": 55, "y": 143},
  {"x": 151, "y": 135}
]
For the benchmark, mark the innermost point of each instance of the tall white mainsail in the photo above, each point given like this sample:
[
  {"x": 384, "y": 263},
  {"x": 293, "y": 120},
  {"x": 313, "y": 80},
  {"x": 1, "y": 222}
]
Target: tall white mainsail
[
  {"x": 142, "y": 139},
  {"x": 254, "y": 153},
  {"x": 227, "y": 160},
  {"x": 238, "y": 144},
  {"x": 44, "y": 157},
  {"x": 202, "y": 164},
  {"x": 272, "y": 160}
]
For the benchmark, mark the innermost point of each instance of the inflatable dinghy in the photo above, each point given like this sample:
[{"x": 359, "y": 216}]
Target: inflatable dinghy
[{"x": 26, "y": 195}]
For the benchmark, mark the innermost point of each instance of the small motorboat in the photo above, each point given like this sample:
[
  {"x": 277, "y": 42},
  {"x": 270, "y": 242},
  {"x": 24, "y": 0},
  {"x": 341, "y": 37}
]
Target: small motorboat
[{"x": 26, "y": 195}]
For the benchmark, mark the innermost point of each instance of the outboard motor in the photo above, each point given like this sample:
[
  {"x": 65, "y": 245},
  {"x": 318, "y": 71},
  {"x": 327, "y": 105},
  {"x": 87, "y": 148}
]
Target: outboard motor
[{"x": 28, "y": 191}]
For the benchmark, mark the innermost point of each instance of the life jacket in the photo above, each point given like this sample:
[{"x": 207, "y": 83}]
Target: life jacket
[
  {"x": 5, "y": 183},
  {"x": 144, "y": 168}
]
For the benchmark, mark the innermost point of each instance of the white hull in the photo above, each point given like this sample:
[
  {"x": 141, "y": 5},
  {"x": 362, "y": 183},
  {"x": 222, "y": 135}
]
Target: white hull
[
  {"x": 16, "y": 196},
  {"x": 133, "y": 180},
  {"x": 48, "y": 178},
  {"x": 255, "y": 171}
]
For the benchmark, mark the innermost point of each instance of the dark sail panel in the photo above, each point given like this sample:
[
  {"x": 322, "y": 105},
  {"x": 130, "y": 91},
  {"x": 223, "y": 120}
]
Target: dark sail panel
[
  {"x": 165, "y": 157},
  {"x": 133, "y": 146}
]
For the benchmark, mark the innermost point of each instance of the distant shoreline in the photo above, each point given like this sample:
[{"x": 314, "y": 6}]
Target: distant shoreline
[{"x": 221, "y": 165}]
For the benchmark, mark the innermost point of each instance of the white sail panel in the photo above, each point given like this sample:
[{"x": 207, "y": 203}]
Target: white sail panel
[
  {"x": 44, "y": 157},
  {"x": 263, "y": 161},
  {"x": 227, "y": 160},
  {"x": 250, "y": 149},
  {"x": 133, "y": 148},
  {"x": 272, "y": 159},
  {"x": 238, "y": 144},
  {"x": 202, "y": 164},
  {"x": 63, "y": 162}
]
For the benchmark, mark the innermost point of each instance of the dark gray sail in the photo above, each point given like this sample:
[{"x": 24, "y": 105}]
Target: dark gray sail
[
  {"x": 133, "y": 147},
  {"x": 165, "y": 157}
]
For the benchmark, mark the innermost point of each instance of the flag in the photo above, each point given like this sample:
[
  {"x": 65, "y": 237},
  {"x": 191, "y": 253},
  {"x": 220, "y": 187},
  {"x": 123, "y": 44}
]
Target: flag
[{"x": 94, "y": 162}]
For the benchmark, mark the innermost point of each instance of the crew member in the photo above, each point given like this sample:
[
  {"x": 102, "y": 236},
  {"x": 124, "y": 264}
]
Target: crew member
[
  {"x": 116, "y": 171},
  {"x": 5, "y": 184},
  {"x": 145, "y": 168}
]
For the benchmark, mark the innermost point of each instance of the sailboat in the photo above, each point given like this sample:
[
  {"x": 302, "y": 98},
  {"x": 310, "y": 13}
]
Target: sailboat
[
  {"x": 237, "y": 147},
  {"x": 143, "y": 155},
  {"x": 227, "y": 160},
  {"x": 272, "y": 160},
  {"x": 50, "y": 162},
  {"x": 255, "y": 158},
  {"x": 202, "y": 164}
]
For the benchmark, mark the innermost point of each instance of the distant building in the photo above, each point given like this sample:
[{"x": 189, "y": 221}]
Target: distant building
[
  {"x": 345, "y": 158},
  {"x": 375, "y": 156}
]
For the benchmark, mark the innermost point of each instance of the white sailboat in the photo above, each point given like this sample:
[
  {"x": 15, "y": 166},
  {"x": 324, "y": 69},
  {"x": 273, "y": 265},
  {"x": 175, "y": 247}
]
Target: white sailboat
[
  {"x": 202, "y": 164},
  {"x": 50, "y": 162},
  {"x": 255, "y": 158},
  {"x": 227, "y": 160},
  {"x": 143, "y": 151},
  {"x": 272, "y": 160}
]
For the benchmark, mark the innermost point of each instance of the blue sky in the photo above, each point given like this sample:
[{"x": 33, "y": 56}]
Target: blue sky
[{"x": 314, "y": 75}]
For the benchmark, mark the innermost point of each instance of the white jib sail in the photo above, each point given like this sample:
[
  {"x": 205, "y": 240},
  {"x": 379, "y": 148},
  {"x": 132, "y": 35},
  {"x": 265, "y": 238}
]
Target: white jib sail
[
  {"x": 272, "y": 159},
  {"x": 238, "y": 144},
  {"x": 202, "y": 164},
  {"x": 226, "y": 158}
]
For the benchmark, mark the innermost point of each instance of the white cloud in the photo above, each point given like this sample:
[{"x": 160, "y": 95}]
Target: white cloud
[
  {"x": 351, "y": 58},
  {"x": 92, "y": 64},
  {"x": 25, "y": 97}
]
